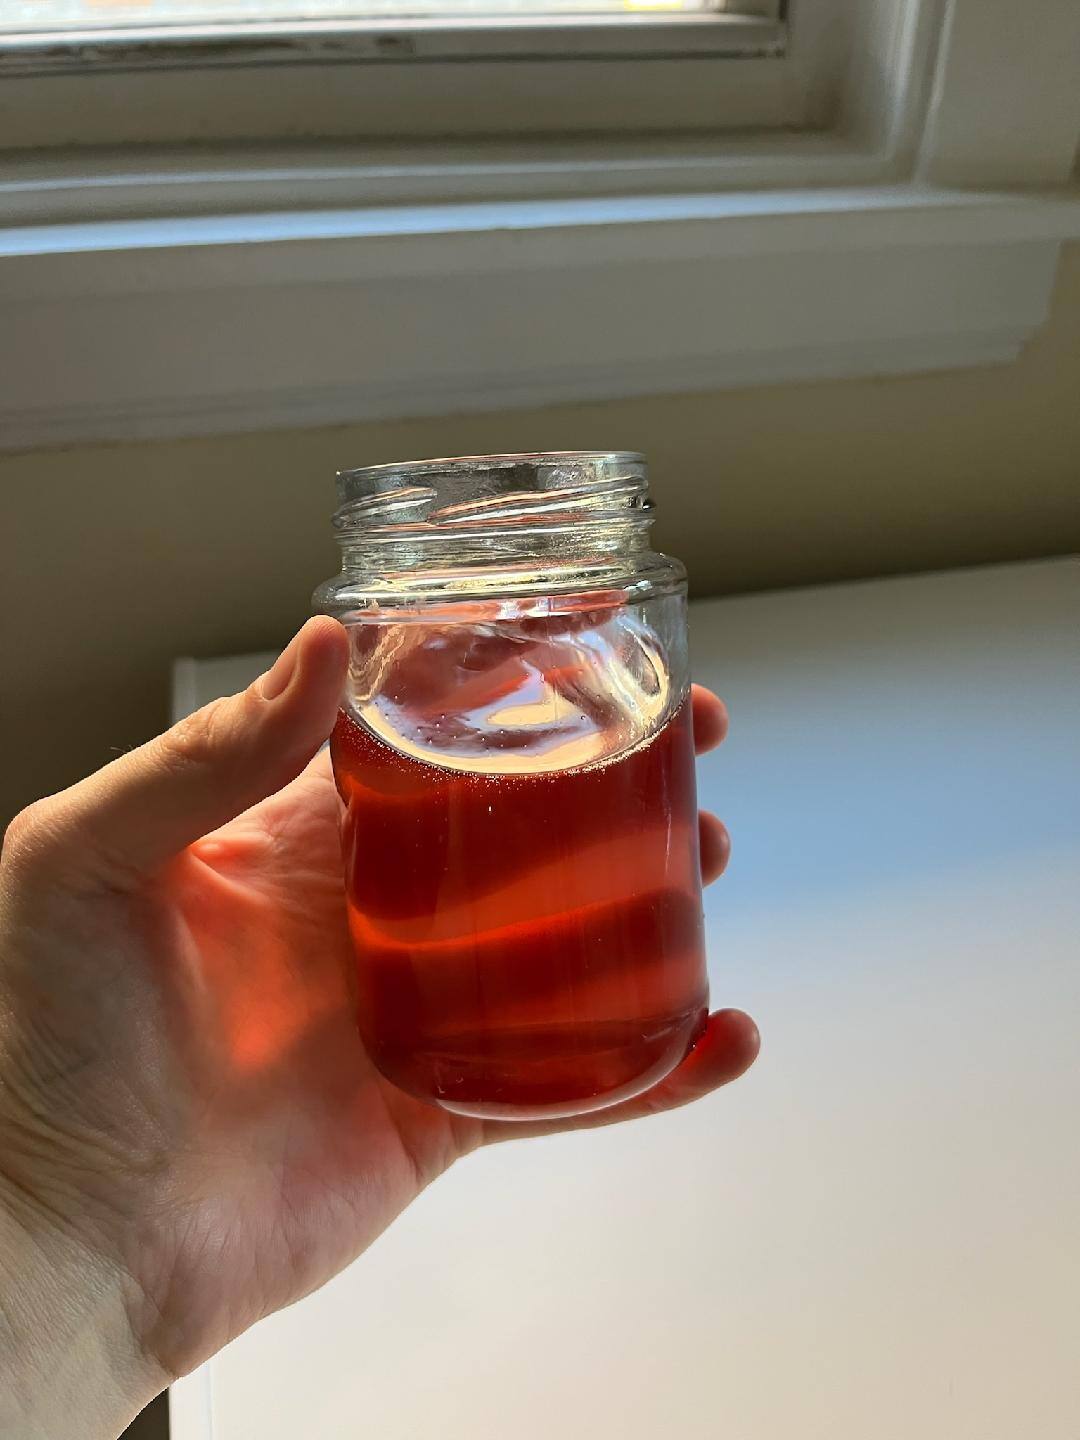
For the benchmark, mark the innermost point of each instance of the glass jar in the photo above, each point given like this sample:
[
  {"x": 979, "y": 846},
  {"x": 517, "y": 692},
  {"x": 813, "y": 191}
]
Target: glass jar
[{"x": 515, "y": 753}]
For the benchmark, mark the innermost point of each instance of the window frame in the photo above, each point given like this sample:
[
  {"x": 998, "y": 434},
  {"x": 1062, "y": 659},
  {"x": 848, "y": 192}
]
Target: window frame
[
  {"x": 375, "y": 80},
  {"x": 119, "y": 48},
  {"x": 195, "y": 291}
]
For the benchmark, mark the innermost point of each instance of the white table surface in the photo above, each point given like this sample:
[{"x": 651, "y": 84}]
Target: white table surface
[{"x": 876, "y": 1234}]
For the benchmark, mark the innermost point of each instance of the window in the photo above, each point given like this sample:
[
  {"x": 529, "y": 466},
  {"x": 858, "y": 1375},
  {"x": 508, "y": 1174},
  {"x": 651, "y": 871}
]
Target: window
[
  {"x": 76, "y": 72},
  {"x": 597, "y": 225},
  {"x": 704, "y": 26}
]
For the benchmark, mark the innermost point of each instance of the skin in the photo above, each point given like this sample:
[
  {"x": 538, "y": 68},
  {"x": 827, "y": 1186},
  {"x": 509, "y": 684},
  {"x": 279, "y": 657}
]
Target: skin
[{"x": 191, "y": 1134}]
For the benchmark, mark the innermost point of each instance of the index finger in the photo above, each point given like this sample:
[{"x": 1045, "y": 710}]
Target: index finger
[{"x": 710, "y": 718}]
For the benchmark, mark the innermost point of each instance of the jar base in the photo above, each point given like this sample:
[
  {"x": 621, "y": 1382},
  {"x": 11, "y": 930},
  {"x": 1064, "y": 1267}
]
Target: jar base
[{"x": 549, "y": 1074}]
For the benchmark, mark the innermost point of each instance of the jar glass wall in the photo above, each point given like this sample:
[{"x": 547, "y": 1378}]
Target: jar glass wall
[{"x": 515, "y": 753}]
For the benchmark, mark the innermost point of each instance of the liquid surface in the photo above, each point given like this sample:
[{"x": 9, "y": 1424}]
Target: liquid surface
[
  {"x": 498, "y": 687},
  {"x": 527, "y": 943}
]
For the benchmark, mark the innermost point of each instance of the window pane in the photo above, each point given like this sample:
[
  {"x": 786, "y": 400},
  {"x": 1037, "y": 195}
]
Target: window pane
[{"x": 26, "y": 16}]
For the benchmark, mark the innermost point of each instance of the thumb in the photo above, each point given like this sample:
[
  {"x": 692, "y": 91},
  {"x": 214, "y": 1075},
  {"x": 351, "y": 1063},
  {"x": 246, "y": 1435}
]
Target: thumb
[{"x": 142, "y": 809}]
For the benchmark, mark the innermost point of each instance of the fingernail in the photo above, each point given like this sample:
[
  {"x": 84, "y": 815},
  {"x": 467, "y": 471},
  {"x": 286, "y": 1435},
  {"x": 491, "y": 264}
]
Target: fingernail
[{"x": 276, "y": 680}]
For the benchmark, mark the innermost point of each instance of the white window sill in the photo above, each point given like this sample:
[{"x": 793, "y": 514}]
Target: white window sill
[{"x": 123, "y": 329}]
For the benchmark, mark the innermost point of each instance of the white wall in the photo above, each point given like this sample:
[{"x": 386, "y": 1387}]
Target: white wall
[{"x": 118, "y": 558}]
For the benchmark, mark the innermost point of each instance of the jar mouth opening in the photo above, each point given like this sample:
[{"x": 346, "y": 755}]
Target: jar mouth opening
[
  {"x": 478, "y": 496},
  {"x": 531, "y": 523},
  {"x": 449, "y": 465}
]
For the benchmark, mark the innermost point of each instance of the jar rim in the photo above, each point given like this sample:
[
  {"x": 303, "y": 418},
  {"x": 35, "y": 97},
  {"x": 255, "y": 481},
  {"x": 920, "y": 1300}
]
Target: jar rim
[{"x": 447, "y": 464}]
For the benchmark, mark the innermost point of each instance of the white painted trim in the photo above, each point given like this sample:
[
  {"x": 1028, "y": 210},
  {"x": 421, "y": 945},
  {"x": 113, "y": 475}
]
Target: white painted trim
[
  {"x": 308, "y": 247},
  {"x": 42, "y": 189},
  {"x": 892, "y": 63},
  {"x": 799, "y": 90},
  {"x": 1005, "y": 107},
  {"x": 184, "y": 687},
  {"x": 402, "y": 77},
  {"x": 151, "y": 329},
  {"x": 191, "y": 1399},
  {"x": 196, "y": 682},
  {"x": 962, "y": 92},
  {"x": 220, "y": 311}
]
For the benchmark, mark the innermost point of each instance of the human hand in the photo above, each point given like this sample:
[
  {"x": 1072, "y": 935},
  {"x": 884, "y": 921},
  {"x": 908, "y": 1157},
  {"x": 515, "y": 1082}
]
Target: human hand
[{"x": 191, "y": 1133}]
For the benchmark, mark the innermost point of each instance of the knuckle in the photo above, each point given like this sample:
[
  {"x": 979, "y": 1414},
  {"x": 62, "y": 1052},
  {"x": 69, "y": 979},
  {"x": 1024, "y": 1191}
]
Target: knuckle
[
  {"x": 29, "y": 835},
  {"x": 193, "y": 742},
  {"x": 251, "y": 704},
  {"x": 200, "y": 741}
]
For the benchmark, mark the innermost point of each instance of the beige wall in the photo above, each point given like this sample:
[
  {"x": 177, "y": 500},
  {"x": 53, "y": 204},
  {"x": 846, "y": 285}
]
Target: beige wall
[{"x": 118, "y": 558}]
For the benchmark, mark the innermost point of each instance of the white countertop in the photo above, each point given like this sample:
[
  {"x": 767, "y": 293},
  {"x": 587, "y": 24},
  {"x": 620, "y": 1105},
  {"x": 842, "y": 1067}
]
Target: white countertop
[{"x": 876, "y": 1234}]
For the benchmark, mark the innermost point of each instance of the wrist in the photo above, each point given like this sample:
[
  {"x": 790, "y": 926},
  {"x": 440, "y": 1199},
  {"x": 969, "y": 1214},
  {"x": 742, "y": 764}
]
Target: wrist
[{"x": 70, "y": 1364}]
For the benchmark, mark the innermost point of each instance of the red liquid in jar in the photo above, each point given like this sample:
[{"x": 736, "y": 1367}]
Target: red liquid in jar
[{"x": 527, "y": 944}]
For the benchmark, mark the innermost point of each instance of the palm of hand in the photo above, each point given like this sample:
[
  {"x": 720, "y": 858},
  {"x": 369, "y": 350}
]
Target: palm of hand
[{"x": 294, "y": 1153}]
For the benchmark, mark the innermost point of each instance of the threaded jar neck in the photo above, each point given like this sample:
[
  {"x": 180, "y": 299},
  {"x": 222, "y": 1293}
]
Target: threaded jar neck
[
  {"x": 493, "y": 524},
  {"x": 480, "y": 497}
]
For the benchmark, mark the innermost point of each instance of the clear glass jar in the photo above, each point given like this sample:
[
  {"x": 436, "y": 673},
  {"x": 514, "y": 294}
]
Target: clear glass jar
[{"x": 515, "y": 753}]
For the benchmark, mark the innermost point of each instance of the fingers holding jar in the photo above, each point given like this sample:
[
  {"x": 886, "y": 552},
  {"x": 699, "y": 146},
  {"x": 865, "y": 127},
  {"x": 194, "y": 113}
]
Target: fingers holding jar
[{"x": 714, "y": 843}]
